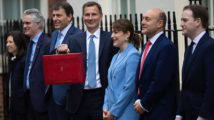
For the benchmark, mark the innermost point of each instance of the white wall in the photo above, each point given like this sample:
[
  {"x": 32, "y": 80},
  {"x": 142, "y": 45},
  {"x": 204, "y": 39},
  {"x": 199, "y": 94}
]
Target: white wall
[
  {"x": 77, "y": 6},
  {"x": 1, "y": 10},
  {"x": 144, "y": 5},
  {"x": 44, "y": 8}
]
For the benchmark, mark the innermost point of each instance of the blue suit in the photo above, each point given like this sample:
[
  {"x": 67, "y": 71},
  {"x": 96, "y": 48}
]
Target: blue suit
[
  {"x": 58, "y": 92},
  {"x": 197, "y": 96},
  {"x": 106, "y": 51},
  {"x": 16, "y": 75},
  {"x": 121, "y": 92},
  {"x": 158, "y": 82},
  {"x": 36, "y": 76}
]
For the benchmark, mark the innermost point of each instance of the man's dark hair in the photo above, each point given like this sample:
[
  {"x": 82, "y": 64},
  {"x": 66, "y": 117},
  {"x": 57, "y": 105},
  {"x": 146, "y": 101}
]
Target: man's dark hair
[
  {"x": 90, "y": 4},
  {"x": 162, "y": 16},
  {"x": 199, "y": 11},
  {"x": 66, "y": 6}
]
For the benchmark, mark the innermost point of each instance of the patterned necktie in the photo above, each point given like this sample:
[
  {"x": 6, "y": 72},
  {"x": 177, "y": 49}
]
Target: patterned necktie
[
  {"x": 144, "y": 56},
  {"x": 91, "y": 63},
  {"x": 58, "y": 39}
]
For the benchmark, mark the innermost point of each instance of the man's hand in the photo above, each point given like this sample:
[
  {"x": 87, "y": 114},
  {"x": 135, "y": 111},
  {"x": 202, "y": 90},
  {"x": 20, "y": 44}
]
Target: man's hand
[
  {"x": 63, "y": 48},
  {"x": 110, "y": 116},
  {"x": 200, "y": 118},
  {"x": 178, "y": 119},
  {"x": 105, "y": 113},
  {"x": 137, "y": 107}
]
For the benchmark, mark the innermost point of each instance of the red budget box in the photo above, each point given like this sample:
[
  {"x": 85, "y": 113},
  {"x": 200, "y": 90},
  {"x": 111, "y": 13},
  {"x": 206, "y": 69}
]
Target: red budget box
[{"x": 63, "y": 69}]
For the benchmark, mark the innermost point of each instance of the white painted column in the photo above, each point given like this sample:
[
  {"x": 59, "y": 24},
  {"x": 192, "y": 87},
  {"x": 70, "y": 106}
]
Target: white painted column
[
  {"x": 1, "y": 10},
  {"x": 211, "y": 16},
  {"x": 44, "y": 8},
  {"x": 21, "y": 8}
]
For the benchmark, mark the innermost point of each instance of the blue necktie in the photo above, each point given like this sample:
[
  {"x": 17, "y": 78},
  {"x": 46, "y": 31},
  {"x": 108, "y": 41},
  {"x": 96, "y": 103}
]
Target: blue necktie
[
  {"x": 91, "y": 63},
  {"x": 58, "y": 39},
  {"x": 28, "y": 64}
]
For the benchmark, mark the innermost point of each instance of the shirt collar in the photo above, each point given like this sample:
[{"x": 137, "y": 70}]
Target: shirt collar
[
  {"x": 65, "y": 30},
  {"x": 197, "y": 39},
  {"x": 96, "y": 33},
  {"x": 36, "y": 38},
  {"x": 154, "y": 38}
]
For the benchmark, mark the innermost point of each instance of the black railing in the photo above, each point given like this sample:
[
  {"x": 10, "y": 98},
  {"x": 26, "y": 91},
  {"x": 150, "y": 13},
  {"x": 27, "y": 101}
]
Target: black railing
[
  {"x": 106, "y": 24},
  {"x": 195, "y": 2}
]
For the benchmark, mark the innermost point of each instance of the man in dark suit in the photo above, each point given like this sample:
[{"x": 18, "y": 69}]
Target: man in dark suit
[
  {"x": 197, "y": 96},
  {"x": 62, "y": 17},
  {"x": 157, "y": 74},
  {"x": 33, "y": 24},
  {"x": 85, "y": 100}
]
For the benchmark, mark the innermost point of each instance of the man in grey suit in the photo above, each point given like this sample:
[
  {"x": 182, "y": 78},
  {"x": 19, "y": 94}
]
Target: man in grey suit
[{"x": 56, "y": 94}]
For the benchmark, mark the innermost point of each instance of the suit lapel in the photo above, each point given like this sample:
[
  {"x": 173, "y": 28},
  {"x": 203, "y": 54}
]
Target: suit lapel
[
  {"x": 102, "y": 42},
  {"x": 54, "y": 38},
  {"x": 152, "y": 51},
  {"x": 70, "y": 31},
  {"x": 37, "y": 50},
  {"x": 119, "y": 60},
  {"x": 82, "y": 43},
  {"x": 188, "y": 64}
]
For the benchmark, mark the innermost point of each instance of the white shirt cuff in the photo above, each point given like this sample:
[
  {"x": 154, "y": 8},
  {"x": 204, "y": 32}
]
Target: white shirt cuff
[
  {"x": 141, "y": 105},
  {"x": 178, "y": 116}
]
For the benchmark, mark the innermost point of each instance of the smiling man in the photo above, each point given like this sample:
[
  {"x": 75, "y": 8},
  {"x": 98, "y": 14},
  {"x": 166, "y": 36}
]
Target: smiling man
[
  {"x": 157, "y": 73},
  {"x": 33, "y": 24},
  {"x": 62, "y": 18},
  {"x": 86, "y": 100}
]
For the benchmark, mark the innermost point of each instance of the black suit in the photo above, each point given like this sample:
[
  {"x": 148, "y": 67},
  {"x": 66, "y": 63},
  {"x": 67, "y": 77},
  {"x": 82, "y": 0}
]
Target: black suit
[
  {"x": 76, "y": 94},
  {"x": 16, "y": 75},
  {"x": 197, "y": 96},
  {"x": 36, "y": 93},
  {"x": 158, "y": 82}
]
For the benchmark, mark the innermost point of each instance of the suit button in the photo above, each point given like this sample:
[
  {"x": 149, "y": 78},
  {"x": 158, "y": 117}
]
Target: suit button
[{"x": 114, "y": 77}]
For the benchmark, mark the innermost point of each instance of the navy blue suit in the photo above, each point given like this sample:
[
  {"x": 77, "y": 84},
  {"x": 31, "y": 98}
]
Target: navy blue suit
[
  {"x": 158, "y": 82},
  {"x": 58, "y": 92},
  {"x": 16, "y": 75},
  {"x": 106, "y": 51},
  {"x": 197, "y": 96},
  {"x": 36, "y": 76}
]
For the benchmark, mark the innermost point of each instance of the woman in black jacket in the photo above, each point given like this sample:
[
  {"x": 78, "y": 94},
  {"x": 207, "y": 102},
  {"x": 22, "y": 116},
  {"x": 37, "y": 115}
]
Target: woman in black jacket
[{"x": 16, "y": 48}]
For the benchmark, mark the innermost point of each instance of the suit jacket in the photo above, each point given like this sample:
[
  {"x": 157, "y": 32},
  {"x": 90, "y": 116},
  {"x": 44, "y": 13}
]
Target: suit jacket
[
  {"x": 158, "y": 82},
  {"x": 59, "y": 91},
  {"x": 198, "y": 82},
  {"x": 77, "y": 44},
  {"x": 121, "y": 92},
  {"x": 16, "y": 75},
  {"x": 36, "y": 76}
]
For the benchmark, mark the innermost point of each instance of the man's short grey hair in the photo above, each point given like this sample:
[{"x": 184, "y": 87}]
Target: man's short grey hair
[{"x": 36, "y": 17}]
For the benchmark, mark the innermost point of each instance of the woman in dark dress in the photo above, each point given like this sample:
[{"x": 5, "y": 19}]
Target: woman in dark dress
[{"x": 16, "y": 48}]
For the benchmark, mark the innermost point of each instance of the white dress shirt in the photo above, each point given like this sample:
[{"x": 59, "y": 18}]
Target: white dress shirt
[{"x": 97, "y": 44}]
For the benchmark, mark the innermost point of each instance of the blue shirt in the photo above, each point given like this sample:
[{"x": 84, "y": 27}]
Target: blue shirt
[{"x": 35, "y": 41}]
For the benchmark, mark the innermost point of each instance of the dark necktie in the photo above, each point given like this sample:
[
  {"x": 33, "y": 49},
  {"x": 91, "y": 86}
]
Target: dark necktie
[
  {"x": 189, "y": 51},
  {"x": 91, "y": 63},
  {"x": 28, "y": 62}
]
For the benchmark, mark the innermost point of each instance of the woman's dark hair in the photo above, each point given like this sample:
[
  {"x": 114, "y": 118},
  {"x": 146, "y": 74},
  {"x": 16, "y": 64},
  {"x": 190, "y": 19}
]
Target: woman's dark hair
[
  {"x": 125, "y": 26},
  {"x": 20, "y": 42}
]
